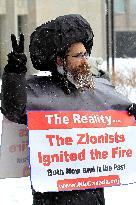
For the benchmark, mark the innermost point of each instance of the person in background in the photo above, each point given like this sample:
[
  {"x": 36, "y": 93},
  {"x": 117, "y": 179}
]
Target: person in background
[{"x": 61, "y": 46}]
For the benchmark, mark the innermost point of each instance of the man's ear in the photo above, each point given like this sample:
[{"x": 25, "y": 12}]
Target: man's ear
[{"x": 59, "y": 61}]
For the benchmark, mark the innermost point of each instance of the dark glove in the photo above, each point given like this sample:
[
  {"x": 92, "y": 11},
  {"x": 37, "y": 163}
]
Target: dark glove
[
  {"x": 17, "y": 59},
  {"x": 104, "y": 74},
  {"x": 132, "y": 110}
]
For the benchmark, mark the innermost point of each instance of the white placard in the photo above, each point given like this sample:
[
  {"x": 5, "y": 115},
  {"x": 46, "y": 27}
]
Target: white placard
[{"x": 80, "y": 150}]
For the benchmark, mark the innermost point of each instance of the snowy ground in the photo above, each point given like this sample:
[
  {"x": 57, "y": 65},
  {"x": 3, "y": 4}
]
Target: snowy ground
[{"x": 17, "y": 191}]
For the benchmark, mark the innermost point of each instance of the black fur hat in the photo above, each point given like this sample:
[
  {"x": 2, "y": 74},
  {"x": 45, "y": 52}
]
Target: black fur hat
[{"x": 55, "y": 37}]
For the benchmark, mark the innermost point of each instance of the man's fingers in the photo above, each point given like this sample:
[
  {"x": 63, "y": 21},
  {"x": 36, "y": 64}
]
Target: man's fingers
[
  {"x": 21, "y": 43},
  {"x": 18, "y": 47},
  {"x": 14, "y": 42}
]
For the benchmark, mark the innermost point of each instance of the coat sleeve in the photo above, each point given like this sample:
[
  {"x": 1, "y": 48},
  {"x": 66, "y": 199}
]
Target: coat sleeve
[{"x": 14, "y": 97}]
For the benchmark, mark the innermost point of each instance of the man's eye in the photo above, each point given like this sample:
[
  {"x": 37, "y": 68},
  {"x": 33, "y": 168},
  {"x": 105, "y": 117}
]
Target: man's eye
[
  {"x": 78, "y": 55},
  {"x": 86, "y": 54},
  {"x": 81, "y": 55}
]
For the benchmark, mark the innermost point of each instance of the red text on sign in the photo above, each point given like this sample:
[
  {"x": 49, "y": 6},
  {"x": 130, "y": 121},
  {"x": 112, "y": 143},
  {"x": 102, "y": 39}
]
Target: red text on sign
[
  {"x": 118, "y": 152},
  {"x": 59, "y": 140},
  {"x": 62, "y": 156}
]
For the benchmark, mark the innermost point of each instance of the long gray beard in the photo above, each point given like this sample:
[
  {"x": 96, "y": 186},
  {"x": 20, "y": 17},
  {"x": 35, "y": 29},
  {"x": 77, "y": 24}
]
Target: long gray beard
[
  {"x": 86, "y": 81},
  {"x": 83, "y": 78}
]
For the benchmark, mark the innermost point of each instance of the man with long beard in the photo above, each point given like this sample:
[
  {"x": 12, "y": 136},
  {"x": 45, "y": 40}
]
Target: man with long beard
[
  {"x": 61, "y": 46},
  {"x": 76, "y": 67}
]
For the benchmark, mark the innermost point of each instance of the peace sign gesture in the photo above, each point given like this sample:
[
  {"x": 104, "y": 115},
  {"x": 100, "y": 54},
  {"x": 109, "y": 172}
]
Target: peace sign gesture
[
  {"x": 17, "y": 59},
  {"x": 19, "y": 48}
]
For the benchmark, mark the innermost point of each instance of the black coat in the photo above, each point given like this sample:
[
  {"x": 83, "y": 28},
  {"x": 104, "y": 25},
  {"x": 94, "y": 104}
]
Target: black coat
[{"x": 49, "y": 93}]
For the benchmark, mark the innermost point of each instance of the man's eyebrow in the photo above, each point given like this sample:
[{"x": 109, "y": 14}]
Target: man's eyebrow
[{"x": 80, "y": 52}]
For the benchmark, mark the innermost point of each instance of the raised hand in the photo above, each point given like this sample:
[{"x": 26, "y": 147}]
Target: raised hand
[
  {"x": 132, "y": 110},
  {"x": 17, "y": 59},
  {"x": 19, "y": 48}
]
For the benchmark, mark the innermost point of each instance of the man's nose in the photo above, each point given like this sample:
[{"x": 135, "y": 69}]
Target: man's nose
[{"x": 84, "y": 60}]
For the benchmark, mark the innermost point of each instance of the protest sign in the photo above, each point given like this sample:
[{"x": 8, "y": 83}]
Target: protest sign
[
  {"x": 14, "y": 159},
  {"x": 81, "y": 149}
]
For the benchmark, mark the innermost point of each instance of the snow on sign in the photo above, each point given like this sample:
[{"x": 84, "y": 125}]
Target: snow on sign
[{"x": 78, "y": 150}]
